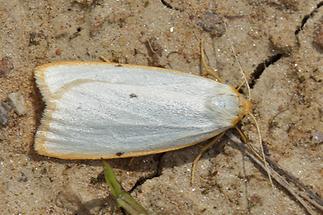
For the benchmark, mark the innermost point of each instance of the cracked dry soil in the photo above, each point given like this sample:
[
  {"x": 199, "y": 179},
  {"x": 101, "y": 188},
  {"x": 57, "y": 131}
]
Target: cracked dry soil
[{"x": 279, "y": 44}]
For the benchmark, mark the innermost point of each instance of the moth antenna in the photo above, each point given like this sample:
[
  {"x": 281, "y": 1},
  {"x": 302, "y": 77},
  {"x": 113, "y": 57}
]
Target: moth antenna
[
  {"x": 203, "y": 150},
  {"x": 205, "y": 68},
  {"x": 241, "y": 70},
  {"x": 252, "y": 116},
  {"x": 240, "y": 66},
  {"x": 262, "y": 149}
]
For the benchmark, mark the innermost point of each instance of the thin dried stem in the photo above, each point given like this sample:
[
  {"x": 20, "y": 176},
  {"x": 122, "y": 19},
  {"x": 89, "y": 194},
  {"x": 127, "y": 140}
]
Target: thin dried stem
[
  {"x": 240, "y": 66},
  {"x": 262, "y": 148}
]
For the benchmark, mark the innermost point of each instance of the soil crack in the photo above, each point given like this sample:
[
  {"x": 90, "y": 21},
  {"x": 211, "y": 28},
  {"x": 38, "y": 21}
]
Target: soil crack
[
  {"x": 155, "y": 174},
  {"x": 274, "y": 58},
  {"x": 169, "y": 6},
  {"x": 262, "y": 66},
  {"x": 307, "y": 17}
]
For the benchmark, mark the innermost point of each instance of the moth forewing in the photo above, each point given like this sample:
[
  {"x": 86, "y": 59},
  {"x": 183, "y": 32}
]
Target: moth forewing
[{"x": 102, "y": 110}]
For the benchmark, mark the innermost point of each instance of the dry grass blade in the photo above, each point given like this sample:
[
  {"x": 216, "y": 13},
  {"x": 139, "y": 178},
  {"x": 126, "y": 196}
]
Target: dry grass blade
[{"x": 305, "y": 197}]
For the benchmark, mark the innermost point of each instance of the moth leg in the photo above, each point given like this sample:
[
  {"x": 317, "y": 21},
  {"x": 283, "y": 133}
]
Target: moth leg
[
  {"x": 204, "y": 149},
  {"x": 240, "y": 85},
  {"x": 104, "y": 59},
  {"x": 206, "y": 70},
  {"x": 131, "y": 161}
]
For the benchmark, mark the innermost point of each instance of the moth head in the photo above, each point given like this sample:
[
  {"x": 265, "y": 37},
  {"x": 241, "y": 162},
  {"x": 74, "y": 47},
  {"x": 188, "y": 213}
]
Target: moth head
[
  {"x": 245, "y": 108},
  {"x": 228, "y": 106}
]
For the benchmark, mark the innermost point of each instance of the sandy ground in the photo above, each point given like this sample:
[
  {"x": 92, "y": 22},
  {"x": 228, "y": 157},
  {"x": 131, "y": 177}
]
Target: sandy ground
[{"x": 279, "y": 44}]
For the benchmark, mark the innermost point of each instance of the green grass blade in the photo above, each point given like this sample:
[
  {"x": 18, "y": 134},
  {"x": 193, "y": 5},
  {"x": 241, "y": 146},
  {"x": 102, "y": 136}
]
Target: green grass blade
[
  {"x": 124, "y": 199},
  {"x": 111, "y": 180},
  {"x": 127, "y": 202}
]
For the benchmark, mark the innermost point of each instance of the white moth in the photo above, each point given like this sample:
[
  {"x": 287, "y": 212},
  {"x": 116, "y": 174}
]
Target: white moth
[{"x": 101, "y": 110}]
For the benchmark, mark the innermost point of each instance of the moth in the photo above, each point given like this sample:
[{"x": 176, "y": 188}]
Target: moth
[{"x": 99, "y": 110}]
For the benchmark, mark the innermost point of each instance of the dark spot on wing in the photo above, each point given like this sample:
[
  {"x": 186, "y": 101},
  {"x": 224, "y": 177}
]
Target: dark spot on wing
[
  {"x": 132, "y": 95},
  {"x": 118, "y": 65}
]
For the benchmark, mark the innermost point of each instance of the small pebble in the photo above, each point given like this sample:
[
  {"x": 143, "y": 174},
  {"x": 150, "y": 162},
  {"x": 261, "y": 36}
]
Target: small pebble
[
  {"x": 3, "y": 116},
  {"x": 5, "y": 66},
  {"x": 22, "y": 177},
  {"x": 85, "y": 3},
  {"x": 6, "y": 106},
  {"x": 17, "y": 101},
  {"x": 212, "y": 23},
  {"x": 318, "y": 37},
  {"x": 282, "y": 42},
  {"x": 35, "y": 38},
  {"x": 58, "y": 52},
  {"x": 317, "y": 137}
]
